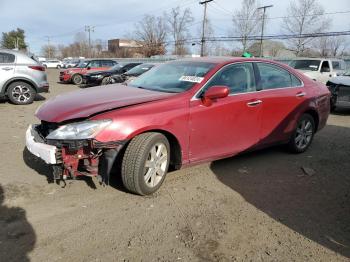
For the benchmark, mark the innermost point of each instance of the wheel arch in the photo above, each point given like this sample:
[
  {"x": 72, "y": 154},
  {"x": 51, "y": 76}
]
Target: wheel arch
[
  {"x": 315, "y": 116},
  {"x": 19, "y": 79},
  {"x": 175, "y": 147}
]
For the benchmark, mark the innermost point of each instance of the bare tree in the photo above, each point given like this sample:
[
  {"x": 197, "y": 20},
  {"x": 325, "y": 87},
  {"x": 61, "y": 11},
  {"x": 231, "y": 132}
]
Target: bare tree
[
  {"x": 246, "y": 21},
  {"x": 151, "y": 33},
  {"x": 49, "y": 51},
  {"x": 332, "y": 46},
  {"x": 304, "y": 17},
  {"x": 178, "y": 24},
  {"x": 338, "y": 45},
  {"x": 323, "y": 46}
]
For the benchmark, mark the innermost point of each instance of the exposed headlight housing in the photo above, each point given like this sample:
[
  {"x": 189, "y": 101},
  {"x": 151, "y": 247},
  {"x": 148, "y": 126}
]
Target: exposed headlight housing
[
  {"x": 78, "y": 131},
  {"x": 97, "y": 76}
]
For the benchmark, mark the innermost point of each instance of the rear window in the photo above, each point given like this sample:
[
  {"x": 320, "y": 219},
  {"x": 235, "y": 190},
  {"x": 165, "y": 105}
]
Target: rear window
[
  {"x": 272, "y": 77},
  {"x": 338, "y": 65},
  {"x": 6, "y": 58}
]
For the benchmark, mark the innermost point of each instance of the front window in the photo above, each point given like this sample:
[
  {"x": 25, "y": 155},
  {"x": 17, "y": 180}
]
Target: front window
[
  {"x": 239, "y": 78},
  {"x": 311, "y": 65},
  {"x": 82, "y": 64},
  {"x": 174, "y": 77}
]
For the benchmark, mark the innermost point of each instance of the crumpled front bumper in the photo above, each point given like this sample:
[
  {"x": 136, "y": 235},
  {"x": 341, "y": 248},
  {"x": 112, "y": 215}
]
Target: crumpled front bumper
[
  {"x": 71, "y": 159},
  {"x": 44, "y": 151}
]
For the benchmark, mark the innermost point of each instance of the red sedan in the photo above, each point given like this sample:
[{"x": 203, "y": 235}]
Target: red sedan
[{"x": 180, "y": 113}]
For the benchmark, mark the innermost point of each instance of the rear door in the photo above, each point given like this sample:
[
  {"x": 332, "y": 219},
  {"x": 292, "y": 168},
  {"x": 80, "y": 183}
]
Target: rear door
[
  {"x": 7, "y": 68},
  {"x": 94, "y": 65},
  {"x": 282, "y": 94},
  {"x": 107, "y": 64},
  {"x": 231, "y": 124}
]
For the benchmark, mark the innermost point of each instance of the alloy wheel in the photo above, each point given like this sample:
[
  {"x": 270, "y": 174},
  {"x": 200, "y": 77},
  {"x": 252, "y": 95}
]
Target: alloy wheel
[
  {"x": 21, "y": 93},
  {"x": 304, "y": 134},
  {"x": 156, "y": 164}
]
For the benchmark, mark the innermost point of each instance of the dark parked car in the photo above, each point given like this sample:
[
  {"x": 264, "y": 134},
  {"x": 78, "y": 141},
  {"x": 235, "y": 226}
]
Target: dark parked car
[
  {"x": 75, "y": 74},
  {"x": 131, "y": 74},
  {"x": 102, "y": 77},
  {"x": 180, "y": 113},
  {"x": 340, "y": 90}
]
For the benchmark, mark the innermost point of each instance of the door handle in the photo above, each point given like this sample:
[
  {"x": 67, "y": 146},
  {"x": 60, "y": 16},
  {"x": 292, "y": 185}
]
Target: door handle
[
  {"x": 300, "y": 94},
  {"x": 254, "y": 103},
  {"x": 7, "y": 68}
]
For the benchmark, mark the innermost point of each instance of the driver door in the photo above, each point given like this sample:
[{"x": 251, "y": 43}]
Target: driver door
[
  {"x": 229, "y": 125},
  {"x": 325, "y": 72}
]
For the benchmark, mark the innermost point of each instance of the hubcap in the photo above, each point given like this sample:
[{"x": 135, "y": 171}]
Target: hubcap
[
  {"x": 21, "y": 93},
  {"x": 156, "y": 164},
  {"x": 304, "y": 134}
]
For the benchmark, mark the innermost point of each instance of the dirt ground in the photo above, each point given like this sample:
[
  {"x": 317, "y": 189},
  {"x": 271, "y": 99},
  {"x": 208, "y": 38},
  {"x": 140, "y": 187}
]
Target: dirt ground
[{"x": 259, "y": 206}]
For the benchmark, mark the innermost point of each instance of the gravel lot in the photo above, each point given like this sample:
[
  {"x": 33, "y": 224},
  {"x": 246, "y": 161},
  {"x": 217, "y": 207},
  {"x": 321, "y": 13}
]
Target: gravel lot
[{"x": 259, "y": 206}]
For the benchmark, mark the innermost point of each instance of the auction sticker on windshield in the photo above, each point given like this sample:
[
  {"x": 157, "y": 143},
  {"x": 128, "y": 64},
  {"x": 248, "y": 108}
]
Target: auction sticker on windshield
[{"x": 193, "y": 79}]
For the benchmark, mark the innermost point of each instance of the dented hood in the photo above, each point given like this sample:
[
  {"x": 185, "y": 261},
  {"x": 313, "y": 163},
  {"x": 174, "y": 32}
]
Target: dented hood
[{"x": 86, "y": 102}]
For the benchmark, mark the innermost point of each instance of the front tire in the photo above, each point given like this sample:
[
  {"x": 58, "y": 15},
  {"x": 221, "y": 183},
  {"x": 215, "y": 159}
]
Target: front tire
[
  {"x": 145, "y": 163},
  {"x": 77, "y": 79},
  {"x": 303, "y": 134},
  {"x": 21, "y": 93}
]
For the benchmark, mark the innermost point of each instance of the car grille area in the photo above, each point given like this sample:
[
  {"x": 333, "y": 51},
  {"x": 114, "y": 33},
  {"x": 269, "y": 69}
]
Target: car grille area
[{"x": 46, "y": 128}]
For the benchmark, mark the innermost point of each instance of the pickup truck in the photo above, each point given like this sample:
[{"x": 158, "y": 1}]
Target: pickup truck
[{"x": 319, "y": 69}]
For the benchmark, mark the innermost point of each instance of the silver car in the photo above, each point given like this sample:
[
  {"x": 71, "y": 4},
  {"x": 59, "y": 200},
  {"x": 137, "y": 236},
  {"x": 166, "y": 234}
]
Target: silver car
[{"x": 21, "y": 77}]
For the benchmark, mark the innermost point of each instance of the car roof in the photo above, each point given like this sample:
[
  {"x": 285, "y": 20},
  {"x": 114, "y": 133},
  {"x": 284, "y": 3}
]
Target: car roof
[
  {"x": 317, "y": 58},
  {"x": 226, "y": 59}
]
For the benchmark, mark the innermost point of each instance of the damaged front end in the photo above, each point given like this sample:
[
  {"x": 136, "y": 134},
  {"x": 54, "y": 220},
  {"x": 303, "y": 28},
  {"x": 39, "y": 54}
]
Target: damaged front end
[{"x": 72, "y": 150}]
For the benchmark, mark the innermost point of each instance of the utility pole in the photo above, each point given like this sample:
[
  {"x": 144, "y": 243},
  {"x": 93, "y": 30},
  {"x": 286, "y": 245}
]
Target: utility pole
[
  {"x": 204, "y": 22},
  {"x": 262, "y": 28},
  {"x": 48, "y": 46},
  {"x": 89, "y": 29}
]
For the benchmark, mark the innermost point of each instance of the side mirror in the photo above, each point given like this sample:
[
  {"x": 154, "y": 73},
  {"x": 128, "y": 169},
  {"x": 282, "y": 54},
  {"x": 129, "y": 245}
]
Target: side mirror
[
  {"x": 88, "y": 68},
  {"x": 213, "y": 93}
]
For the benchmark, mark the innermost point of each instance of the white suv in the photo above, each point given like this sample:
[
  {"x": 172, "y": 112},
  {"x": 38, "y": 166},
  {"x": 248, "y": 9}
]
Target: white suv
[
  {"x": 319, "y": 69},
  {"x": 21, "y": 77},
  {"x": 53, "y": 64}
]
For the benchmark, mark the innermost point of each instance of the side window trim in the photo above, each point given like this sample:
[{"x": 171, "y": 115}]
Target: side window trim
[{"x": 259, "y": 88}]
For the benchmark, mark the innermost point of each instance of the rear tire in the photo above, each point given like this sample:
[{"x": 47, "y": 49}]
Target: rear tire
[
  {"x": 105, "y": 81},
  {"x": 77, "y": 79},
  {"x": 21, "y": 93},
  {"x": 303, "y": 134},
  {"x": 145, "y": 163}
]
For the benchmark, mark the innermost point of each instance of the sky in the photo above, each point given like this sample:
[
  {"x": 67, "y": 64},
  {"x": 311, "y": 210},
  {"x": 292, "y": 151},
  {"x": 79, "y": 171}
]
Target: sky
[{"x": 61, "y": 19}]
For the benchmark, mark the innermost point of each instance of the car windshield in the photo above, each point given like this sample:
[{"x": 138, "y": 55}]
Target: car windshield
[
  {"x": 174, "y": 77},
  {"x": 311, "y": 65},
  {"x": 82, "y": 64}
]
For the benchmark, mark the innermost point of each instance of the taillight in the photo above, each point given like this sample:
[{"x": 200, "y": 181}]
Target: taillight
[{"x": 39, "y": 68}]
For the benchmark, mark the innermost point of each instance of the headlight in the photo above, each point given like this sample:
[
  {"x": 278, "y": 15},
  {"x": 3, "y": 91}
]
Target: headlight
[{"x": 82, "y": 130}]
